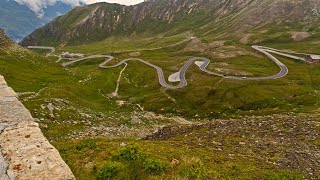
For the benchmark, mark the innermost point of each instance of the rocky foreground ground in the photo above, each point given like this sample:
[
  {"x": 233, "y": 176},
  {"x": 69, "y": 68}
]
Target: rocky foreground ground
[
  {"x": 287, "y": 141},
  {"x": 24, "y": 152}
]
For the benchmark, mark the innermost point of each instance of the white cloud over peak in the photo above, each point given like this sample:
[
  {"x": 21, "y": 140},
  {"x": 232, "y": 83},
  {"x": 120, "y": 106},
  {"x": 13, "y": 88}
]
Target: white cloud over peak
[{"x": 38, "y": 6}]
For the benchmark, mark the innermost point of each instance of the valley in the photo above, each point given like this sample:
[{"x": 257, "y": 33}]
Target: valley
[
  {"x": 141, "y": 122},
  {"x": 176, "y": 89},
  {"x": 199, "y": 61}
]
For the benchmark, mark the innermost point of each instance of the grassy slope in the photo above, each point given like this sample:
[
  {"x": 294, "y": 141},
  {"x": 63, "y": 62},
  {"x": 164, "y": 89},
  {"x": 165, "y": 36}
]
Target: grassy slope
[
  {"x": 219, "y": 150},
  {"x": 123, "y": 44},
  {"x": 28, "y": 72},
  {"x": 297, "y": 92},
  {"x": 206, "y": 96}
]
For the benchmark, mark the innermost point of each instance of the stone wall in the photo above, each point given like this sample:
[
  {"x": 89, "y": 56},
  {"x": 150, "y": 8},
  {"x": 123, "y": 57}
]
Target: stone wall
[{"x": 25, "y": 154}]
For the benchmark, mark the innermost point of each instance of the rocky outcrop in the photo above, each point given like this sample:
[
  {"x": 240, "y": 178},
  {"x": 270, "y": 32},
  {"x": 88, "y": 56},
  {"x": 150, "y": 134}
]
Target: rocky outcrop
[
  {"x": 4, "y": 38},
  {"x": 24, "y": 152}
]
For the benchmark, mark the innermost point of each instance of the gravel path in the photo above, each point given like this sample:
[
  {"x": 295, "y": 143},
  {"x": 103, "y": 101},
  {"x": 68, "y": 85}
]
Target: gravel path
[{"x": 115, "y": 93}]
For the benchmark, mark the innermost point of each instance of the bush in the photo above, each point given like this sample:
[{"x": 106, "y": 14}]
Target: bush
[
  {"x": 107, "y": 171},
  {"x": 130, "y": 153},
  {"x": 196, "y": 172},
  {"x": 229, "y": 43},
  {"x": 138, "y": 164},
  {"x": 284, "y": 175},
  {"x": 86, "y": 144},
  {"x": 193, "y": 168},
  {"x": 155, "y": 167}
]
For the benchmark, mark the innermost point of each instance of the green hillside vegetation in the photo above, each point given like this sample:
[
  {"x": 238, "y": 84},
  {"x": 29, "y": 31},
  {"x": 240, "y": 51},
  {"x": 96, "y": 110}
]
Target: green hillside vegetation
[
  {"x": 80, "y": 94},
  {"x": 214, "y": 128},
  {"x": 209, "y": 96}
]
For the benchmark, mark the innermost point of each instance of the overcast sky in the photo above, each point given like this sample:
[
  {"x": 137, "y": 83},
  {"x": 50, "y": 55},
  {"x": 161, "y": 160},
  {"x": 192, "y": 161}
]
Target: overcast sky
[{"x": 37, "y": 6}]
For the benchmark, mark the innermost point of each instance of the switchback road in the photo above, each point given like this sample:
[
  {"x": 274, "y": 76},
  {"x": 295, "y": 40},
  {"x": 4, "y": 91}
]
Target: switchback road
[{"x": 200, "y": 61}]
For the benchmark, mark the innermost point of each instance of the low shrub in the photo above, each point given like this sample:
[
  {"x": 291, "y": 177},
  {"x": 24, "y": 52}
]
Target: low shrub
[
  {"x": 284, "y": 175},
  {"x": 108, "y": 171},
  {"x": 129, "y": 153},
  {"x": 87, "y": 144},
  {"x": 138, "y": 164},
  {"x": 155, "y": 167},
  {"x": 193, "y": 168}
]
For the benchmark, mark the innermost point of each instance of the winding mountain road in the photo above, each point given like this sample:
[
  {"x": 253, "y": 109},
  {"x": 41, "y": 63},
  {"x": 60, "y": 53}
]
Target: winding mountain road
[
  {"x": 43, "y": 47},
  {"x": 200, "y": 61}
]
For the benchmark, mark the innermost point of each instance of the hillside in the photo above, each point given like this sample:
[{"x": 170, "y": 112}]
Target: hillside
[
  {"x": 208, "y": 19},
  {"x": 18, "y": 20},
  {"x": 122, "y": 123},
  {"x": 4, "y": 39},
  {"x": 101, "y": 137}
]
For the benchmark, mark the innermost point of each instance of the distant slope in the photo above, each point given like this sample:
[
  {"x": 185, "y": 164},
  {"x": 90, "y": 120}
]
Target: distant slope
[
  {"x": 19, "y": 21},
  {"x": 4, "y": 39},
  {"x": 205, "y": 18}
]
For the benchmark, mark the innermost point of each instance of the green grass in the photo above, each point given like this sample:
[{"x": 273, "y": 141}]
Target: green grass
[
  {"x": 205, "y": 95},
  {"x": 41, "y": 51},
  {"x": 28, "y": 72},
  {"x": 84, "y": 88},
  {"x": 194, "y": 162},
  {"x": 124, "y": 44}
]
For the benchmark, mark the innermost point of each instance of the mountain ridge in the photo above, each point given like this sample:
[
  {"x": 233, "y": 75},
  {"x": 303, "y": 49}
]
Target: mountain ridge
[
  {"x": 4, "y": 39},
  {"x": 19, "y": 21},
  {"x": 203, "y": 17}
]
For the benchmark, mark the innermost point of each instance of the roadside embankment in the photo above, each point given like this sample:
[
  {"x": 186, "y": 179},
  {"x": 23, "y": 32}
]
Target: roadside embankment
[{"x": 24, "y": 152}]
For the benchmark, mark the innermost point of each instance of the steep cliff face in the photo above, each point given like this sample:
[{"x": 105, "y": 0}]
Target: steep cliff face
[{"x": 203, "y": 17}]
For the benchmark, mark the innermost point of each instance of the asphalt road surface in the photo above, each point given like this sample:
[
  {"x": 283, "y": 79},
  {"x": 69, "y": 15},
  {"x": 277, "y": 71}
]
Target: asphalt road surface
[
  {"x": 183, "y": 82},
  {"x": 43, "y": 47}
]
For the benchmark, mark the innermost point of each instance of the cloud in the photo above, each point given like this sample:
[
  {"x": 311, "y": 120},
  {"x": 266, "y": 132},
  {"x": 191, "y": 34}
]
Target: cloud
[{"x": 38, "y": 6}]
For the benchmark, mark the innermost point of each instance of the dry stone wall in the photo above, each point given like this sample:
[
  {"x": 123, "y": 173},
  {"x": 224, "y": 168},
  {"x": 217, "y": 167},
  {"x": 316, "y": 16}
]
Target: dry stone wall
[{"x": 25, "y": 154}]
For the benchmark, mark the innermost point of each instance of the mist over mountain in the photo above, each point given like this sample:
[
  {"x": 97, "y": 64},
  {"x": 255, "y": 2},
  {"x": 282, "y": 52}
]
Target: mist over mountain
[
  {"x": 39, "y": 6},
  {"x": 18, "y": 20}
]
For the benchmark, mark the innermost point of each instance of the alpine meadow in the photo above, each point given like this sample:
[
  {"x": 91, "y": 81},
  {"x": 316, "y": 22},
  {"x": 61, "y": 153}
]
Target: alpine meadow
[{"x": 164, "y": 89}]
